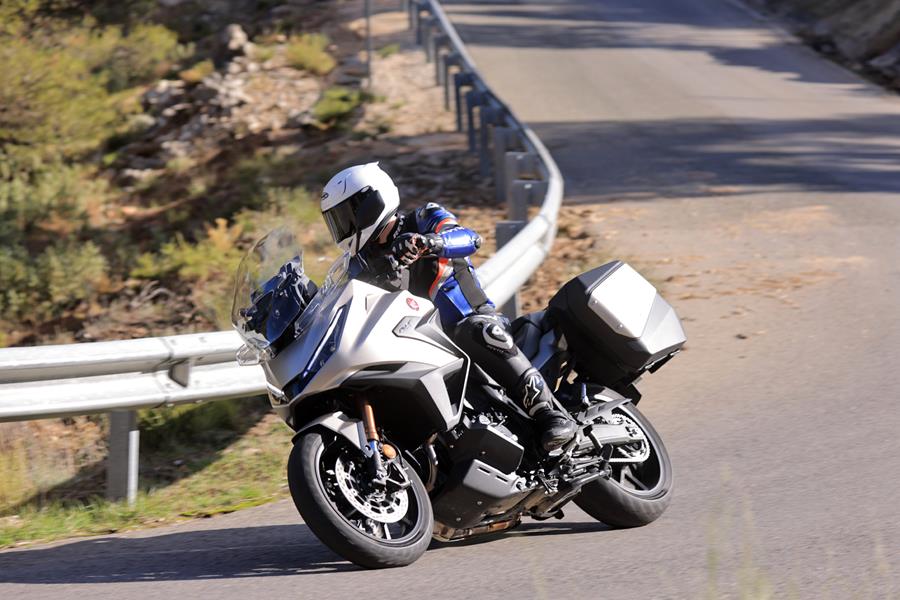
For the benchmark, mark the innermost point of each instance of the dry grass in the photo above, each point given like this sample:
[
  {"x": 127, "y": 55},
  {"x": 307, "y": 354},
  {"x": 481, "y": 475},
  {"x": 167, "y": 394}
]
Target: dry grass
[
  {"x": 237, "y": 461},
  {"x": 308, "y": 52}
]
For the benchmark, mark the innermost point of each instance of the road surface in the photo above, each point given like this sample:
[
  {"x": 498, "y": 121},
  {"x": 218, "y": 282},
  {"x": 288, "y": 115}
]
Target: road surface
[{"x": 759, "y": 186}]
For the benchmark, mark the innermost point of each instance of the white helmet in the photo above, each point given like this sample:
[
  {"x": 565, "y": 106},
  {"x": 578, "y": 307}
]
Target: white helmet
[{"x": 357, "y": 203}]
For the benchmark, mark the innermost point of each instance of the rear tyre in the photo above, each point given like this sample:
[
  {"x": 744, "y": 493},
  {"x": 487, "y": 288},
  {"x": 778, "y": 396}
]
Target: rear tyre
[
  {"x": 634, "y": 495},
  {"x": 330, "y": 488}
]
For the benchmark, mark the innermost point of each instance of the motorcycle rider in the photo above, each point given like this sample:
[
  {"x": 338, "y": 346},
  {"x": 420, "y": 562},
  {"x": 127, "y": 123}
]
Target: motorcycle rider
[{"x": 361, "y": 205}]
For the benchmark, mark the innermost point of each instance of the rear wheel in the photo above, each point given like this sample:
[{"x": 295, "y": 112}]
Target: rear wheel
[
  {"x": 374, "y": 526},
  {"x": 636, "y": 493}
]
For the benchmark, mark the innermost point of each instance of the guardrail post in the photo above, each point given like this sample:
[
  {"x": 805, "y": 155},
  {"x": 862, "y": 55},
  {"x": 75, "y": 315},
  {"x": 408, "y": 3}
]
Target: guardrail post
[
  {"x": 473, "y": 98},
  {"x": 488, "y": 115},
  {"x": 523, "y": 193},
  {"x": 426, "y": 33},
  {"x": 447, "y": 61},
  {"x": 519, "y": 165},
  {"x": 459, "y": 80},
  {"x": 505, "y": 231},
  {"x": 413, "y": 15},
  {"x": 500, "y": 137},
  {"x": 122, "y": 462},
  {"x": 417, "y": 8},
  {"x": 439, "y": 41}
]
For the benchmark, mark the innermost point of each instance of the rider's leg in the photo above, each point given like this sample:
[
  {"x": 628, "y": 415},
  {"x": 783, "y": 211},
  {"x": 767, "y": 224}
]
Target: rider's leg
[{"x": 486, "y": 339}]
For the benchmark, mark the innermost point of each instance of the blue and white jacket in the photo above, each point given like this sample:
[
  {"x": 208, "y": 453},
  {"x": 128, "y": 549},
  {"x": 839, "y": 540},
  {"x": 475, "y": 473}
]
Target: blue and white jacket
[{"x": 449, "y": 279}]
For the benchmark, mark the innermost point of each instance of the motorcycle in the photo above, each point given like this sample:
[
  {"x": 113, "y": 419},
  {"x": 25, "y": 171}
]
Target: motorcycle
[{"x": 401, "y": 438}]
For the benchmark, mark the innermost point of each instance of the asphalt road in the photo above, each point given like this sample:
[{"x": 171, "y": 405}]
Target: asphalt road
[{"x": 759, "y": 187}]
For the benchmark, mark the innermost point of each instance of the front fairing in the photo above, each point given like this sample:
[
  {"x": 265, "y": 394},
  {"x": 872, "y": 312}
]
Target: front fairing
[{"x": 391, "y": 339}]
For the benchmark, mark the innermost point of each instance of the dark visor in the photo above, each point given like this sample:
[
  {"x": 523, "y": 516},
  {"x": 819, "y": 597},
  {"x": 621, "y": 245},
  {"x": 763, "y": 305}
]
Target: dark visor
[{"x": 359, "y": 211}]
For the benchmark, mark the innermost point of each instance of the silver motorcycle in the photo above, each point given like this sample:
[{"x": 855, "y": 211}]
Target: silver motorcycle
[{"x": 401, "y": 438}]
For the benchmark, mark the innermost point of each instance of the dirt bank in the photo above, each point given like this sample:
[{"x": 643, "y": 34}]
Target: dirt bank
[{"x": 864, "y": 34}]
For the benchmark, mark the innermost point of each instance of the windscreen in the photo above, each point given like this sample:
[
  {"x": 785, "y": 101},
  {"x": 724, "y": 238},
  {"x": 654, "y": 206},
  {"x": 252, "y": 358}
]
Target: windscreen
[
  {"x": 268, "y": 297},
  {"x": 255, "y": 275}
]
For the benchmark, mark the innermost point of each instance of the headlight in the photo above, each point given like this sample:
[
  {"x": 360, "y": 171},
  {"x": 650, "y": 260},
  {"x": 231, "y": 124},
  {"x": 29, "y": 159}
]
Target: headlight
[{"x": 326, "y": 348}]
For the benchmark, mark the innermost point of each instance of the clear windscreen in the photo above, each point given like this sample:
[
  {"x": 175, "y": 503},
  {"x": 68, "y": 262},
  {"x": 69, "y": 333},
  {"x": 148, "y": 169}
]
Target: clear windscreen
[
  {"x": 271, "y": 291},
  {"x": 337, "y": 276}
]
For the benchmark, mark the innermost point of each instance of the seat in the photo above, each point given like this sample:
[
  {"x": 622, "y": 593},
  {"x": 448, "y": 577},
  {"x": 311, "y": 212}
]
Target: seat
[{"x": 528, "y": 330}]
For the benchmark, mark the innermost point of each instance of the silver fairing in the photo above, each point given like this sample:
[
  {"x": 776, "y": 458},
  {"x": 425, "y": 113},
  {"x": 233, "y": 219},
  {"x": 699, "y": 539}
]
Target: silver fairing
[{"x": 370, "y": 327}]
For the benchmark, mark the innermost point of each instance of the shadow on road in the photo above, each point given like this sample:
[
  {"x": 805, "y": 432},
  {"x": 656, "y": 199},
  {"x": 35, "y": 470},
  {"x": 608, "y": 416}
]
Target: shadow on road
[
  {"x": 706, "y": 157},
  {"x": 215, "y": 554},
  {"x": 527, "y": 530},
  {"x": 654, "y": 24},
  {"x": 274, "y": 550}
]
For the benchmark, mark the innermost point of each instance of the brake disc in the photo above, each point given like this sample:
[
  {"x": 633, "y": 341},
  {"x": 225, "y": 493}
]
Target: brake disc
[{"x": 376, "y": 505}]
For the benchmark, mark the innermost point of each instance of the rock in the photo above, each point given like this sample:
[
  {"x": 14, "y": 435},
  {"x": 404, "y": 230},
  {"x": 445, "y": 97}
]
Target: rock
[
  {"x": 173, "y": 110},
  {"x": 889, "y": 62},
  {"x": 129, "y": 177},
  {"x": 175, "y": 149},
  {"x": 235, "y": 40},
  {"x": 140, "y": 123},
  {"x": 164, "y": 93},
  {"x": 354, "y": 67},
  {"x": 300, "y": 118},
  {"x": 344, "y": 78}
]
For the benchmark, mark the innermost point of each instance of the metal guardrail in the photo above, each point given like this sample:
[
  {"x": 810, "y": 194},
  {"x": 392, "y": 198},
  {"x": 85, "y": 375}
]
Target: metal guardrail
[{"x": 121, "y": 376}]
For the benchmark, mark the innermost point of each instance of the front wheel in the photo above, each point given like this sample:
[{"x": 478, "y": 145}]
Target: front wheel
[
  {"x": 370, "y": 525},
  {"x": 636, "y": 493}
]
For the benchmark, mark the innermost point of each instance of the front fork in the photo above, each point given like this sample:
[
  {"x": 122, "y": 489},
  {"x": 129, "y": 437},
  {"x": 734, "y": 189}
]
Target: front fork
[{"x": 373, "y": 447}]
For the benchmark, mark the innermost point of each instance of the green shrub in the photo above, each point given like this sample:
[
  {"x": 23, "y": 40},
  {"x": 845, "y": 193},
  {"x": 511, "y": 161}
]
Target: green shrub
[
  {"x": 71, "y": 274},
  {"x": 17, "y": 279},
  {"x": 186, "y": 424},
  {"x": 336, "y": 104},
  {"x": 198, "y": 72},
  {"x": 50, "y": 103},
  {"x": 51, "y": 192},
  {"x": 263, "y": 52},
  {"x": 60, "y": 278},
  {"x": 307, "y": 52},
  {"x": 125, "y": 60},
  {"x": 207, "y": 265},
  {"x": 388, "y": 50},
  {"x": 281, "y": 207}
]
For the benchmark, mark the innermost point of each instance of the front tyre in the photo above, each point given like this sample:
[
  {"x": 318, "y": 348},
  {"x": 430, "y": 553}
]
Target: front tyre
[
  {"x": 636, "y": 493},
  {"x": 372, "y": 526}
]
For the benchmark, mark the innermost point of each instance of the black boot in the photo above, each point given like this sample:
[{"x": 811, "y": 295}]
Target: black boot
[{"x": 555, "y": 428}]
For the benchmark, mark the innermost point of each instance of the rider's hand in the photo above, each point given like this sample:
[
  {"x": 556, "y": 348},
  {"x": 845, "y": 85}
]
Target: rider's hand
[{"x": 409, "y": 247}]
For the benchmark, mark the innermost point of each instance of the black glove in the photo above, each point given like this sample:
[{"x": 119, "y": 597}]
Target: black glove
[{"x": 410, "y": 247}]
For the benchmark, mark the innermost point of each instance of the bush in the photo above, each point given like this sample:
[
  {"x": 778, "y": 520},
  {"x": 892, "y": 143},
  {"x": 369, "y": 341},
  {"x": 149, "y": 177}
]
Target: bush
[
  {"x": 50, "y": 104},
  {"x": 388, "y": 50},
  {"x": 208, "y": 266},
  {"x": 198, "y": 72},
  {"x": 72, "y": 274},
  {"x": 61, "y": 277},
  {"x": 124, "y": 61},
  {"x": 308, "y": 53},
  {"x": 186, "y": 424},
  {"x": 263, "y": 52},
  {"x": 336, "y": 104},
  {"x": 51, "y": 194}
]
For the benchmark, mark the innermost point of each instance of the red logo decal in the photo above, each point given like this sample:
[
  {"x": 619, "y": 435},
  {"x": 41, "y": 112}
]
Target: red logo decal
[{"x": 412, "y": 303}]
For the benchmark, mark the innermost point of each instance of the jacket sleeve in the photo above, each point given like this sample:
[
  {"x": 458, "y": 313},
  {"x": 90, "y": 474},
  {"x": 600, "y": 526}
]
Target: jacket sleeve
[{"x": 458, "y": 241}]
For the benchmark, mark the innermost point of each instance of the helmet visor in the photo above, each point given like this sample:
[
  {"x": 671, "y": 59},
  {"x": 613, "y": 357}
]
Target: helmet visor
[{"x": 355, "y": 214}]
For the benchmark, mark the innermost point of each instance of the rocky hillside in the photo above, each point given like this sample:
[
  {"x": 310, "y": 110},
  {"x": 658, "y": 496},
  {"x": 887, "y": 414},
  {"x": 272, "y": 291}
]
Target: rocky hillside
[
  {"x": 863, "y": 33},
  {"x": 128, "y": 215}
]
